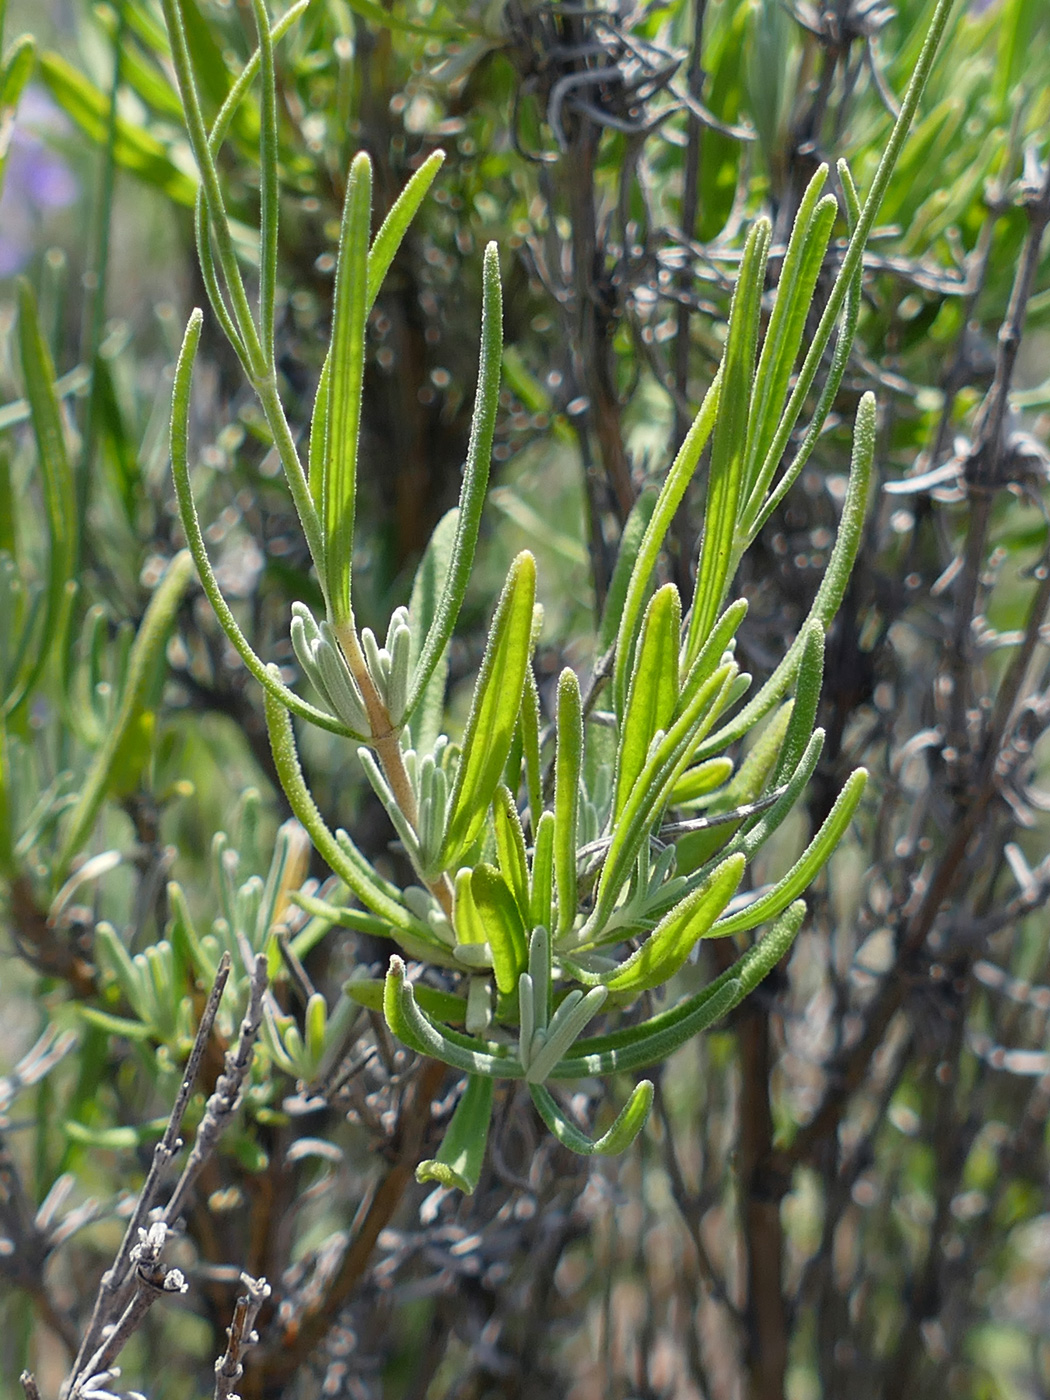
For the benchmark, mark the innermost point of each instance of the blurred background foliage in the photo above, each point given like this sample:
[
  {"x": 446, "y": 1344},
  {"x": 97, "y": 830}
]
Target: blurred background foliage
[{"x": 845, "y": 1190}]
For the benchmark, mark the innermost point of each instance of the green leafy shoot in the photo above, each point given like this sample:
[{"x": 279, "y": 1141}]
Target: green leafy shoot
[{"x": 830, "y": 594}]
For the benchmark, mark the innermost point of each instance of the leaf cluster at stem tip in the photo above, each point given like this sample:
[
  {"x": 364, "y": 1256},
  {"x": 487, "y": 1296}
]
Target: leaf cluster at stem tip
[{"x": 543, "y": 905}]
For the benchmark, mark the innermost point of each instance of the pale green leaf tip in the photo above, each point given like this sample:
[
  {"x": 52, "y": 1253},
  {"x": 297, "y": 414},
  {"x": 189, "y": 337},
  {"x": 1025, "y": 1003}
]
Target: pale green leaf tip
[{"x": 444, "y": 1175}]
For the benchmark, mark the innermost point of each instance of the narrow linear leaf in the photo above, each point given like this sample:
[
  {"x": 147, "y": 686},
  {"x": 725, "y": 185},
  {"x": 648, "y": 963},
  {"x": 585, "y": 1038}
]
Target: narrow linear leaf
[
  {"x": 674, "y": 938},
  {"x": 344, "y": 387},
  {"x": 134, "y": 149},
  {"x": 809, "y": 864},
  {"x": 414, "y": 1028},
  {"x": 636, "y": 1047},
  {"x": 626, "y": 558},
  {"x": 854, "y": 254},
  {"x": 529, "y": 720},
  {"x": 749, "y": 783},
  {"x": 503, "y": 926},
  {"x": 343, "y": 856},
  {"x": 17, "y": 69},
  {"x": 58, "y": 491},
  {"x": 427, "y": 587},
  {"x": 654, "y": 786},
  {"x": 567, "y": 769},
  {"x": 668, "y": 501},
  {"x": 830, "y": 594},
  {"x": 757, "y": 511},
  {"x": 442, "y": 1006},
  {"x": 798, "y": 279},
  {"x": 510, "y": 847},
  {"x": 541, "y": 888},
  {"x": 267, "y": 677},
  {"x": 653, "y": 693},
  {"x": 395, "y": 225},
  {"x": 493, "y": 710},
  {"x": 475, "y": 479},
  {"x": 700, "y": 782},
  {"x": 726, "y": 475},
  {"x": 804, "y": 706}
]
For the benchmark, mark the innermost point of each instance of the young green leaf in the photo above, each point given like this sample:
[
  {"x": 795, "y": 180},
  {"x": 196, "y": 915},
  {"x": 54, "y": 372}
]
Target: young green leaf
[
  {"x": 726, "y": 475},
  {"x": 344, "y": 387},
  {"x": 760, "y": 507},
  {"x": 503, "y": 926},
  {"x": 510, "y": 847},
  {"x": 853, "y": 257},
  {"x": 650, "y": 793},
  {"x": 475, "y": 480},
  {"x": 628, "y": 1124},
  {"x": 798, "y": 279},
  {"x": 427, "y": 588},
  {"x": 802, "y": 873},
  {"x": 675, "y": 937},
  {"x": 668, "y": 501},
  {"x": 636, "y": 1047},
  {"x": 493, "y": 710},
  {"x": 697, "y": 784},
  {"x": 414, "y": 1028},
  {"x": 830, "y": 594},
  {"x": 529, "y": 721},
  {"x": 134, "y": 150},
  {"x": 462, "y": 1151},
  {"x": 541, "y": 887},
  {"x": 269, "y": 202},
  {"x": 567, "y": 768},
  {"x": 268, "y": 677},
  {"x": 573, "y": 1013},
  {"x": 442, "y": 1006},
  {"x": 749, "y": 782},
  {"x": 341, "y": 854},
  {"x": 653, "y": 693},
  {"x": 395, "y": 225},
  {"x": 804, "y": 707},
  {"x": 630, "y": 544}
]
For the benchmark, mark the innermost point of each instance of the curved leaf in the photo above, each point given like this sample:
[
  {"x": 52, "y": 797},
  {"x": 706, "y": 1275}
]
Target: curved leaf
[{"x": 628, "y": 1124}]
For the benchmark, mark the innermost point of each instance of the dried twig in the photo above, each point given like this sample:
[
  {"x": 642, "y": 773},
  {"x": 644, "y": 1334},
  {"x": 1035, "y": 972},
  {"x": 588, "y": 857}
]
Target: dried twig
[{"x": 241, "y": 1334}]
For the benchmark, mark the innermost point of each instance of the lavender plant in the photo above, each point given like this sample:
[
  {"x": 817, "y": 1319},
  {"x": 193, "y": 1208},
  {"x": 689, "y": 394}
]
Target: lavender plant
[{"x": 544, "y": 895}]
